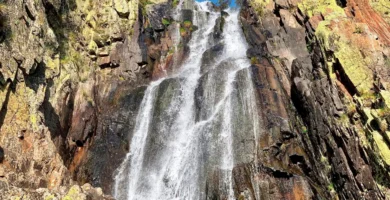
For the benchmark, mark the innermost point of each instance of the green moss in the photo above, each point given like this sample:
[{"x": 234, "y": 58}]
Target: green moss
[
  {"x": 182, "y": 31},
  {"x": 304, "y": 129},
  {"x": 331, "y": 187},
  {"x": 254, "y": 60},
  {"x": 166, "y": 22},
  {"x": 143, "y": 4},
  {"x": 187, "y": 24},
  {"x": 175, "y": 3}
]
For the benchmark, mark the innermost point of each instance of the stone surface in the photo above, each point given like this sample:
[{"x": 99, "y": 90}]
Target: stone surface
[
  {"x": 66, "y": 70},
  {"x": 73, "y": 73},
  {"x": 328, "y": 92}
]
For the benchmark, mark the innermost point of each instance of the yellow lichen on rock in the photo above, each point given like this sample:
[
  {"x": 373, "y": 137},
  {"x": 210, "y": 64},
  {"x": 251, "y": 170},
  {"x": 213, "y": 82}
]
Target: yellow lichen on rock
[
  {"x": 261, "y": 6},
  {"x": 383, "y": 148},
  {"x": 355, "y": 66},
  {"x": 17, "y": 117},
  {"x": 382, "y": 7},
  {"x": 327, "y": 8},
  {"x": 349, "y": 56},
  {"x": 75, "y": 193}
]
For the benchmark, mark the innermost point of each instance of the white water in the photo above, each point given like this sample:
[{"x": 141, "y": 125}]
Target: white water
[{"x": 176, "y": 144}]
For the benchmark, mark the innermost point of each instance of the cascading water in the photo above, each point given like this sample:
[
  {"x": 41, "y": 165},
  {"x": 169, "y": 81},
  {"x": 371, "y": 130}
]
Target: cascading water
[{"x": 190, "y": 125}]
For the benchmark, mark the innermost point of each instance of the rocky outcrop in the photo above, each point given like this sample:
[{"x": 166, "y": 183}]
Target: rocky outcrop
[
  {"x": 73, "y": 73},
  {"x": 320, "y": 69},
  {"x": 66, "y": 193},
  {"x": 72, "y": 76}
]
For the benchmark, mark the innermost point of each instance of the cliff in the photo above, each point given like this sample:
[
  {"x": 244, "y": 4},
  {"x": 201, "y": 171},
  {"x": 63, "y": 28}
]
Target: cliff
[
  {"x": 73, "y": 74},
  {"x": 71, "y": 77},
  {"x": 325, "y": 98}
]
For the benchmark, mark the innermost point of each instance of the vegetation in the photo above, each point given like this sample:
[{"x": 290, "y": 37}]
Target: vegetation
[
  {"x": 304, "y": 129},
  {"x": 328, "y": 8},
  {"x": 175, "y": 2},
  {"x": 384, "y": 112},
  {"x": 187, "y": 24},
  {"x": 331, "y": 187},
  {"x": 254, "y": 60},
  {"x": 182, "y": 31},
  {"x": 143, "y": 4},
  {"x": 358, "y": 30},
  {"x": 166, "y": 22},
  {"x": 259, "y": 6},
  {"x": 354, "y": 64}
]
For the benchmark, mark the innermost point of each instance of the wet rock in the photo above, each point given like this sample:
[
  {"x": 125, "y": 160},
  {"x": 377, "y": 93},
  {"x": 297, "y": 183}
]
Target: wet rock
[
  {"x": 187, "y": 15},
  {"x": 242, "y": 120},
  {"x": 167, "y": 97},
  {"x": 255, "y": 52},
  {"x": 112, "y": 136},
  {"x": 217, "y": 78},
  {"x": 218, "y": 28},
  {"x": 210, "y": 56}
]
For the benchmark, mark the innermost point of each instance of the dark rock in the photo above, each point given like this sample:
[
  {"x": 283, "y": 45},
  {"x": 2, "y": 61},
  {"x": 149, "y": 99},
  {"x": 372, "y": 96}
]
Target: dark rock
[
  {"x": 2, "y": 156},
  {"x": 255, "y": 52},
  {"x": 214, "y": 77},
  {"x": 111, "y": 141},
  {"x": 156, "y": 13},
  {"x": 210, "y": 56},
  {"x": 218, "y": 28},
  {"x": 187, "y": 15},
  {"x": 224, "y": 13}
]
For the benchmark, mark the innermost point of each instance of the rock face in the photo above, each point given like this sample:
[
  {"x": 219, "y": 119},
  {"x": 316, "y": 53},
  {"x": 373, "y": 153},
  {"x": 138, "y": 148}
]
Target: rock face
[
  {"x": 72, "y": 76},
  {"x": 321, "y": 71},
  {"x": 73, "y": 73}
]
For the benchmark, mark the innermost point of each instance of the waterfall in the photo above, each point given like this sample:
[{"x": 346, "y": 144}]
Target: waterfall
[{"x": 190, "y": 124}]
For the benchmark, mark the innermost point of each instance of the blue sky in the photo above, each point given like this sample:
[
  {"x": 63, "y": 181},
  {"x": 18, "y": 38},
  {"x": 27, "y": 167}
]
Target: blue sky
[{"x": 232, "y": 2}]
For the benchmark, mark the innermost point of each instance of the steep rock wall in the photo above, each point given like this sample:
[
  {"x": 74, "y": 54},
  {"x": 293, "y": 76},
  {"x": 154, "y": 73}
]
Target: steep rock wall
[
  {"x": 329, "y": 65},
  {"x": 71, "y": 79}
]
